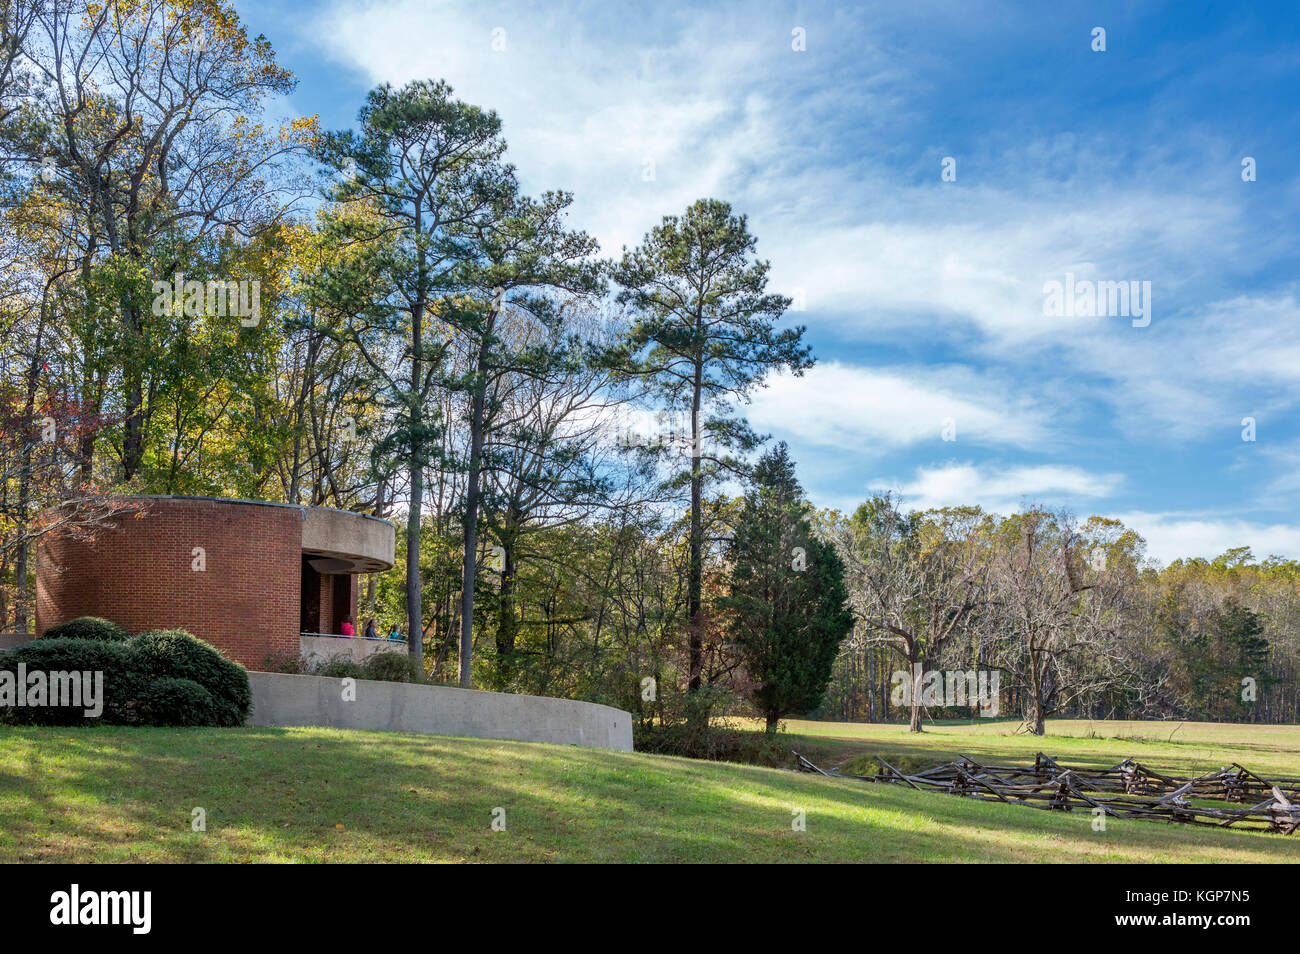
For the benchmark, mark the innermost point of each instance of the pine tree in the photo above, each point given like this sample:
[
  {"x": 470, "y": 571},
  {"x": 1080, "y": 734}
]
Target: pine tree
[
  {"x": 786, "y": 607},
  {"x": 705, "y": 337}
]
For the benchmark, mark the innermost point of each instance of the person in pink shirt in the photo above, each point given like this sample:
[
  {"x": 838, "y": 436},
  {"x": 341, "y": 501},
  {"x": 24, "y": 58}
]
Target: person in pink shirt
[{"x": 346, "y": 629}]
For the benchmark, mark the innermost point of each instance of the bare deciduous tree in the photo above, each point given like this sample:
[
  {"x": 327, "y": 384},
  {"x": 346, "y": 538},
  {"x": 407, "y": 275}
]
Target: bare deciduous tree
[
  {"x": 915, "y": 580},
  {"x": 1057, "y": 611}
]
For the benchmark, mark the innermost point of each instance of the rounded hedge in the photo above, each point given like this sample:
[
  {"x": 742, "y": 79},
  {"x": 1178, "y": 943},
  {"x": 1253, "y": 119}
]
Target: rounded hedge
[
  {"x": 391, "y": 667},
  {"x": 340, "y": 667},
  {"x": 169, "y": 701},
  {"x": 165, "y": 677},
  {"x": 87, "y": 627},
  {"x": 382, "y": 667},
  {"x": 122, "y": 683},
  {"x": 174, "y": 653}
]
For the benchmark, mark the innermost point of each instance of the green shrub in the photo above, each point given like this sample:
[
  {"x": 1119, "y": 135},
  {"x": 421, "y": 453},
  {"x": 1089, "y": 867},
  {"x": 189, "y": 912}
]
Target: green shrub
[
  {"x": 121, "y": 686},
  {"x": 289, "y": 663},
  {"x": 339, "y": 667},
  {"x": 170, "y": 701},
  {"x": 712, "y": 742},
  {"x": 166, "y": 677},
  {"x": 381, "y": 667},
  {"x": 174, "y": 653},
  {"x": 87, "y": 627},
  {"x": 391, "y": 667}
]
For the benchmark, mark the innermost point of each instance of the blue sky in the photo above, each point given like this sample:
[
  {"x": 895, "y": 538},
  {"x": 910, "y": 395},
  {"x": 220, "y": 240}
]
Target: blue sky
[{"x": 924, "y": 298}]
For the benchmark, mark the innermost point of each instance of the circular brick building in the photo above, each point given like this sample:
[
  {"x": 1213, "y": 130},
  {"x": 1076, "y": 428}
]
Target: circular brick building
[{"x": 255, "y": 579}]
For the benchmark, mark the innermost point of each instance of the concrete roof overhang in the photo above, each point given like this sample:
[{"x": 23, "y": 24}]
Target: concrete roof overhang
[
  {"x": 338, "y": 541},
  {"x": 334, "y": 541}
]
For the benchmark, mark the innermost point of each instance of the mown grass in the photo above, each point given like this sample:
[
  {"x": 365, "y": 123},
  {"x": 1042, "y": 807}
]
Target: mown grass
[
  {"x": 321, "y": 795},
  {"x": 1176, "y": 747}
]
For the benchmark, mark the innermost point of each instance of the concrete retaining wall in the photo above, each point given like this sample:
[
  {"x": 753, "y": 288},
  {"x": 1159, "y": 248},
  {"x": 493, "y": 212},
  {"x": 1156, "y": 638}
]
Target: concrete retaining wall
[
  {"x": 317, "y": 649},
  {"x": 286, "y": 700}
]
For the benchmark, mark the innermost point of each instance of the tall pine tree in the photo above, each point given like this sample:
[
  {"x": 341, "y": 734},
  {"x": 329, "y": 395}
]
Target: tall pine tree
[{"x": 704, "y": 338}]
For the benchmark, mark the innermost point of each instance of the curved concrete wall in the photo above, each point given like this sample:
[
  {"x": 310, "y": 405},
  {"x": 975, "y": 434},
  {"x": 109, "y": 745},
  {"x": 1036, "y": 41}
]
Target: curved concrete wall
[
  {"x": 286, "y": 700},
  {"x": 348, "y": 542}
]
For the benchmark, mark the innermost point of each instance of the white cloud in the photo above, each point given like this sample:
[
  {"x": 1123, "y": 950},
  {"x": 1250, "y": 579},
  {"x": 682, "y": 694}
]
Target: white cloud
[
  {"x": 583, "y": 111},
  {"x": 842, "y": 405},
  {"x": 1197, "y": 375},
  {"x": 1172, "y": 535},
  {"x": 724, "y": 112},
  {"x": 1001, "y": 490},
  {"x": 924, "y": 271}
]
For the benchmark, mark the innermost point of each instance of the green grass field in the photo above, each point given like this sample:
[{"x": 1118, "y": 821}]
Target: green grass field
[
  {"x": 1182, "y": 748},
  {"x": 319, "y": 795}
]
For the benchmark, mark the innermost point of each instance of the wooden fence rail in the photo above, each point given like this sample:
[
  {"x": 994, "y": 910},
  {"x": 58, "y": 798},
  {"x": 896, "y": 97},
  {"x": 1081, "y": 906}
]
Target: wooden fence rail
[{"x": 1127, "y": 790}]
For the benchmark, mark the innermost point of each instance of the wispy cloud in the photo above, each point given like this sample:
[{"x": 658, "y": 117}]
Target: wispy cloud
[
  {"x": 1001, "y": 490},
  {"x": 874, "y": 409},
  {"x": 924, "y": 298},
  {"x": 637, "y": 126}
]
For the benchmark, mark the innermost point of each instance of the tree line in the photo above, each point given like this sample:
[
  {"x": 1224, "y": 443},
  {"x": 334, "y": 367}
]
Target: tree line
[{"x": 1070, "y": 614}]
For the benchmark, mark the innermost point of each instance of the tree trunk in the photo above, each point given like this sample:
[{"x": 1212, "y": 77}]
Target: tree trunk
[
  {"x": 25, "y": 481},
  {"x": 414, "y": 616},
  {"x": 695, "y": 583},
  {"x": 916, "y": 672},
  {"x": 370, "y": 577},
  {"x": 914, "y": 723},
  {"x": 1035, "y": 717},
  {"x": 20, "y": 563},
  {"x": 133, "y": 426},
  {"x": 871, "y": 684},
  {"x": 507, "y": 619},
  {"x": 471, "y": 514},
  {"x": 415, "y": 468}
]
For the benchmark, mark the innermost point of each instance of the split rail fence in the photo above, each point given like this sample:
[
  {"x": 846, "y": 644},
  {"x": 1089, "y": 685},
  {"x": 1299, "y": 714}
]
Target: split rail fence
[{"x": 1127, "y": 790}]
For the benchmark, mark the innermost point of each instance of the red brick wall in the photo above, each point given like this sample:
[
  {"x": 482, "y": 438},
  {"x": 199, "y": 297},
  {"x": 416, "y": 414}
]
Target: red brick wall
[
  {"x": 331, "y": 614},
  {"x": 328, "y": 624},
  {"x": 138, "y": 574},
  {"x": 358, "y": 625}
]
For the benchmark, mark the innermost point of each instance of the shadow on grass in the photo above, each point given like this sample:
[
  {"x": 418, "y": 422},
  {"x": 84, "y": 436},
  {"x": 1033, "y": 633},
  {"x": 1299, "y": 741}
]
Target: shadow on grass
[{"x": 318, "y": 795}]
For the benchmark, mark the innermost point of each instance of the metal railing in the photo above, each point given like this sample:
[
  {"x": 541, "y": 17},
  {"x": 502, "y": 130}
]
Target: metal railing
[{"x": 373, "y": 639}]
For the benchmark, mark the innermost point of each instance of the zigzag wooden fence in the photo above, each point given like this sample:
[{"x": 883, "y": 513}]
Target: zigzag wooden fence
[{"x": 1127, "y": 790}]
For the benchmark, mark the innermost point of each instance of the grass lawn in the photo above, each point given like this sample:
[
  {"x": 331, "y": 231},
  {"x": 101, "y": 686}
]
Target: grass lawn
[
  {"x": 321, "y": 795},
  {"x": 1187, "y": 748}
]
